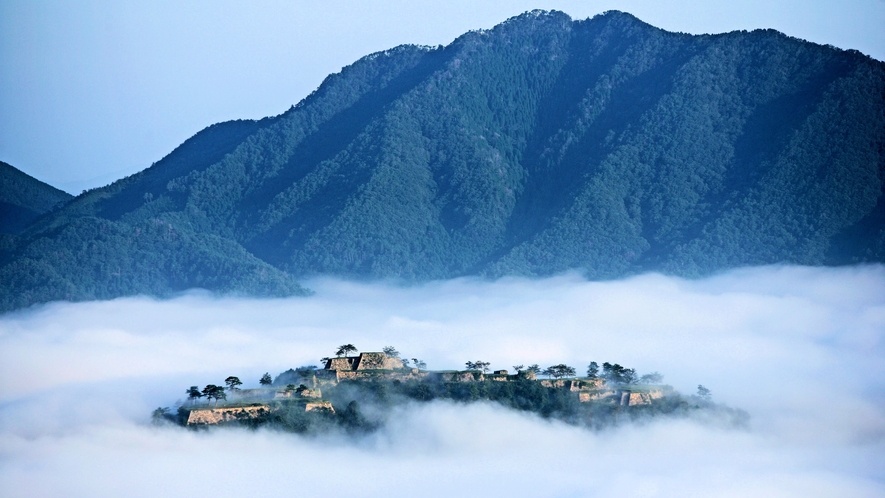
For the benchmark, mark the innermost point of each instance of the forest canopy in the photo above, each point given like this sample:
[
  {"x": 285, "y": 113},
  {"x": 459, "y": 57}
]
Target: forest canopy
[{"x": 542, "y": 145}]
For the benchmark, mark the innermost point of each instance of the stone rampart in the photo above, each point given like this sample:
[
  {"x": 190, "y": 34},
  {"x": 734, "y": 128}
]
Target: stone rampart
[
  {"x": 307, "y": 393},
  {"x": 586, "y": 396},
  {"x": 345, "y": 363},
  {"x": 377, "y": 361},
  {"x": 402, "y": 375},
  {"x": 639, "y": 397},
  {"x": 574, "y": 385},
  {"x": 319, "y": 405},
  {"x": 212, "y": 416},
  {"x": 553, "y": 383}
]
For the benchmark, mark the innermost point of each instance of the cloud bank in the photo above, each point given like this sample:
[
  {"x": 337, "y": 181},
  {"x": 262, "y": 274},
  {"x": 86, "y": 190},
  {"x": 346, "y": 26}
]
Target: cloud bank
[{"x": 800, "y": 349}]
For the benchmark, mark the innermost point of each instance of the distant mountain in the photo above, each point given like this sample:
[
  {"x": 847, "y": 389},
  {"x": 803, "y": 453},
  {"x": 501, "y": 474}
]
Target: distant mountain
[
  {"x": 541, "y": 145},
  {"x": 24, "y": 198}
]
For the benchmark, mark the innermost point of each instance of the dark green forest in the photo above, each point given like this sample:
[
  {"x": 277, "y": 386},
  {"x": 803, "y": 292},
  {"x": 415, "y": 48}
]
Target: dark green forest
[
  {"x": 542, "y": 145},
  {"x": 23, "y": 199}
]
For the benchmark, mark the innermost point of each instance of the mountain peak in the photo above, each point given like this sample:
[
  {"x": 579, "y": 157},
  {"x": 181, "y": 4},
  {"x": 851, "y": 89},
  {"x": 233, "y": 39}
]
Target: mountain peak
[
  {"x": 24, "y": 198},
  {"x": 539, "y": 146}
]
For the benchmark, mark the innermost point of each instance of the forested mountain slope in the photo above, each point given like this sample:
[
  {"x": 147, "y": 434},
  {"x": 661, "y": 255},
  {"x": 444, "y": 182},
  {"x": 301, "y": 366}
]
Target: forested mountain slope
[
  {"x": 24, "y": 198},
  {"x": 541, "y": 145}
]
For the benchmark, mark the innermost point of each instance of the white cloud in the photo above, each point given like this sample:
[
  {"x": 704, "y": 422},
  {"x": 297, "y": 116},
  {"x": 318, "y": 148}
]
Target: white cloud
[{"x": 800, "y": 349}]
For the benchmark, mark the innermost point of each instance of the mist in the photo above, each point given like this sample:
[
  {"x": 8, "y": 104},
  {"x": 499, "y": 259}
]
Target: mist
[{"x": 800, "y": 349}]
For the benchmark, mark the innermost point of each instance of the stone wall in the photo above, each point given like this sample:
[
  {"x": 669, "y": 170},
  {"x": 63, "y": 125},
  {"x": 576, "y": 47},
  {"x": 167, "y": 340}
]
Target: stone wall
[
  {"x": 587, "y": 396},
  {"x": 592, "y": 384},
  {"x": 307, "y": 393},
  {"x": 212, "y": 416},
  {"x": 377, "y": 361},
  {"x": 365, "y": 361},
  {"x": 462, "y": 376},
  {"x": 553, "y": 383},
  {"x": 574, "y": 385},
  {"x": 635, "y": 398},
  {"x": 413, "y": 374},
  {"x": 345, "y": 363},
  {"x": 319, "y": 405}
]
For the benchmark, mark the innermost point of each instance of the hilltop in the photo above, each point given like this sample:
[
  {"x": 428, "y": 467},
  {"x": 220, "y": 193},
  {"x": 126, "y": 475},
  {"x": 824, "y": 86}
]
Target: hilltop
[
  {"x": 542, "y": 145},
  {"x": 23, "y": 199},
  {"x": 358, "y": 394}
]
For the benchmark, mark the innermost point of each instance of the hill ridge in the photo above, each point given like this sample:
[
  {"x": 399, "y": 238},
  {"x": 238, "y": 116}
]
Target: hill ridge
[
  {"x": 541, "y": 145},
  {"x": 23, "y": 199}
]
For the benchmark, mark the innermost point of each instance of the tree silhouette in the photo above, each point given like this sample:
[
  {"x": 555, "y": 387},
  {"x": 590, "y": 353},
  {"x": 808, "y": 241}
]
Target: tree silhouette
[
  {"x": 193, "y": 394},
  {"x": 704, "y": 393},
  {"x": 212, "y": 391},
  {"x": 616, "y": 374},
  {"x": 265, "y": 379},
  {"x": 232, "y": 383},
  {"x": 345, "y": 350},
  {"x": 478, "y": 365},
  {"x": 160, "y": 415},
  {"x": 560, "y": 371}
]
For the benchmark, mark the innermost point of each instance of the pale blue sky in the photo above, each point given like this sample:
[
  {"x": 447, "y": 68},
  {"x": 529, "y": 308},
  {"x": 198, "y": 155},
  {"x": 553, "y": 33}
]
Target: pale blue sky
[{"x": 91, "y": 91}]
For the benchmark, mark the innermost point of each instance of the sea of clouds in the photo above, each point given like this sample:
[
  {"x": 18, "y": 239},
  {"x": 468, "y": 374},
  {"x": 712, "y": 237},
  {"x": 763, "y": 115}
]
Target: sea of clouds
[{"x": 800, "y": 349}]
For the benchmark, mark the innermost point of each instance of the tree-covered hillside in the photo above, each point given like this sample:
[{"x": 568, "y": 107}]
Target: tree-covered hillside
[
  {"x": 24, "y": 198},
  {"x": 541, "y": 145}
]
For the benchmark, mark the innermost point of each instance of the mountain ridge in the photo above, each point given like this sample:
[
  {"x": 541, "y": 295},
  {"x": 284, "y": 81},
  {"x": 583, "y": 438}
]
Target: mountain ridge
[
  {"x": 538, "y": 146},
  {"x": 23, "y": 199}
]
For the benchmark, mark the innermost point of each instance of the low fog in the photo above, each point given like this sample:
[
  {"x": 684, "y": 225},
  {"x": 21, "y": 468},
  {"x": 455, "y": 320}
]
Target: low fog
[{"x": 800, "y": 349}]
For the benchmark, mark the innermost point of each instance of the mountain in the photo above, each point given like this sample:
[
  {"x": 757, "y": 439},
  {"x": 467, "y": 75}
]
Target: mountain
[
  {"x": 542, "y": 145},
  {"x": 24, "y": 198}
]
